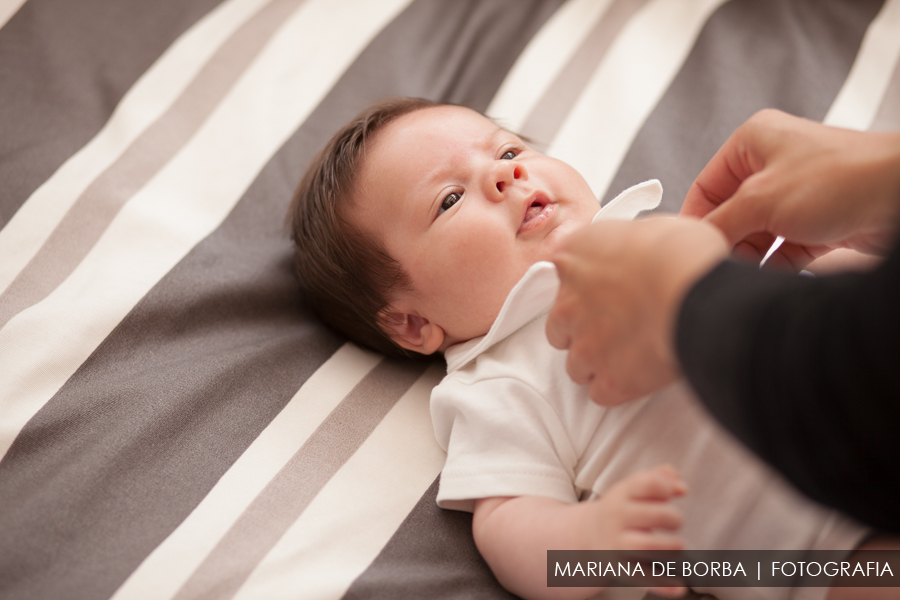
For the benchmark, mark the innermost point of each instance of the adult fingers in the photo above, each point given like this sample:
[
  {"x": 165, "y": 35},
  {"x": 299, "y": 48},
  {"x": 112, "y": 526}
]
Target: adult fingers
[
  {"x": 608, "y": 382},
  {"x": 607, "y": 390},
  {"x": 743, "y": 154},
  {"x": 745, "y": 214},
  {"x": 579, "y": 364},
  {"x": 559, "y": 323},
  {"x": 753, "y": 247},
  {"x": 603, "y": 390},
  {"x": 790, "y": 257},
  {"x": 717, "y": 182}
]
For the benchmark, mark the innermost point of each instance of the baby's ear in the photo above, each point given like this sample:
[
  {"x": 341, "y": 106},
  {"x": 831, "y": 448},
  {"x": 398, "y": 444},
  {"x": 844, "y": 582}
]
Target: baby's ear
[{"x": 412, "y": 331}]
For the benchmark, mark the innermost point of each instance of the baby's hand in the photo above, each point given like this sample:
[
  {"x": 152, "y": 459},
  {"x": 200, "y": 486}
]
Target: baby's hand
[{"x": 635, "y": 514}]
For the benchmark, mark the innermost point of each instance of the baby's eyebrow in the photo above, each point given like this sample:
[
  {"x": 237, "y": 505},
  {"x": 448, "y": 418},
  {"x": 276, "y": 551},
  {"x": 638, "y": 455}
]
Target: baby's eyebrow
[
  {"x": 496, "y": 133},
  {"x": 491, "y": 139},
  {"x": 502, "y": 129}
]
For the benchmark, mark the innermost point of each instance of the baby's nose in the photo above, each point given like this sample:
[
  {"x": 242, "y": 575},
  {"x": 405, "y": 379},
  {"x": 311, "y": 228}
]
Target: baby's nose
[{"x": 508, "y": 176}]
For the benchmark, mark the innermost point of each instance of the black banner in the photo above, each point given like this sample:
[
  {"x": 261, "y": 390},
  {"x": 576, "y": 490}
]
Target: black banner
[{"x": 725, "y": 568}]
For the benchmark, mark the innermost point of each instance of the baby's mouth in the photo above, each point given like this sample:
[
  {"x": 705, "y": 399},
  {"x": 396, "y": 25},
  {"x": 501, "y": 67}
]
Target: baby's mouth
[
  {"x": 533, "y": 210},
  {"x": 536, "y": 213}
]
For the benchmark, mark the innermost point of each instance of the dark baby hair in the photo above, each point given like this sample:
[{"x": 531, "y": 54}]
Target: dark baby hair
[{"x": 345, "y": 274}]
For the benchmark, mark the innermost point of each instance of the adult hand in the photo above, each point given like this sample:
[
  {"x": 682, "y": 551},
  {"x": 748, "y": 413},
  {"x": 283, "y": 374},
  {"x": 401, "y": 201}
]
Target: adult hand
[
  {"x": 819, "y": 187},
  {"x": 621, "y": 286}
]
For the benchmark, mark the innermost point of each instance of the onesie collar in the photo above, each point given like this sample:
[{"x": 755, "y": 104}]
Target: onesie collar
[{"x": 534, "y": 294}]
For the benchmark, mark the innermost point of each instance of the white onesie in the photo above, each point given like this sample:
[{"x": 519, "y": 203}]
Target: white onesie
[{"x": 514, "y": 424}]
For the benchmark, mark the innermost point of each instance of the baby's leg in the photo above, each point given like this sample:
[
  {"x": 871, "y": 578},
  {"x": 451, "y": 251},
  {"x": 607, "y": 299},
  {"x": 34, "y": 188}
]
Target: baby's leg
[{"x": 872, "y": 593}]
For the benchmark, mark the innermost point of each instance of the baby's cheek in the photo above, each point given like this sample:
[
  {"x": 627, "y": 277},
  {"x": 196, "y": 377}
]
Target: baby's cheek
[{"x": 475, "y": 298}]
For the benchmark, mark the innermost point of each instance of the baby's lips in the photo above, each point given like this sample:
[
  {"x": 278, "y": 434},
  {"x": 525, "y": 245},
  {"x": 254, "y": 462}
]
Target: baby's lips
[{"x": 534, "y": 204}]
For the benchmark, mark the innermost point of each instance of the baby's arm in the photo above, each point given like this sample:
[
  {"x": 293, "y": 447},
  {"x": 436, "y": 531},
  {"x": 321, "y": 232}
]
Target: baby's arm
[{"x": 514, "y": 534}]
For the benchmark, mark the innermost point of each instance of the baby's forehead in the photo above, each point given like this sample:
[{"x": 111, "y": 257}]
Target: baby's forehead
[
  {"x": 443, "y": 111},
  {"x": 445, "y": 121}
]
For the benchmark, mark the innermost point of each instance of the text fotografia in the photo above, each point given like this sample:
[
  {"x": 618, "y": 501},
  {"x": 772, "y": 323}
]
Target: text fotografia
[{"x": 726, "y": 568}]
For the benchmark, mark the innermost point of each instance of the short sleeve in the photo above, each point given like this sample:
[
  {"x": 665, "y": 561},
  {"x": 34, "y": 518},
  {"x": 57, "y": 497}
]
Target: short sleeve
[{"x": 502, "y": 439}]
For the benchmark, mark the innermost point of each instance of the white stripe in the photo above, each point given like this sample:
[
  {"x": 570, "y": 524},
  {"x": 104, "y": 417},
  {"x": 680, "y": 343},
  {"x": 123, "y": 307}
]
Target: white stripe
[
  {"x": 8, "y": 8},
  {"x": 170, "y": 565},
  {"x": 356, "y": 513},
  {"x": 43, "y": 345},
  {"x": 856, "y": 105},
  {"x": 626, "y": 87},
  {"x": 141, "y": 106},
  {"x": 546, "y": 54}
]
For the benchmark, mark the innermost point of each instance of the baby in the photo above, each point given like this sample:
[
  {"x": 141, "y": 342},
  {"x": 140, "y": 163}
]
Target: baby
[{"x": 425, "y": 228}]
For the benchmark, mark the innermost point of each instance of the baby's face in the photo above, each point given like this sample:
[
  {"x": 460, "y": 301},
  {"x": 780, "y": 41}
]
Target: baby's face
[{"x": 466, "y": 208}]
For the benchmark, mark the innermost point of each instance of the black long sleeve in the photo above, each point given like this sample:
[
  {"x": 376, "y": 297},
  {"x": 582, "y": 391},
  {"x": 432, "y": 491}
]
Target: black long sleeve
[{"x": 806, "y": 372}]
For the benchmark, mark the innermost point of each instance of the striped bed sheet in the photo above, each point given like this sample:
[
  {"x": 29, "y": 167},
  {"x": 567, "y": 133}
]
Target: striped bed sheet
[{"x": 174, "y": 425}]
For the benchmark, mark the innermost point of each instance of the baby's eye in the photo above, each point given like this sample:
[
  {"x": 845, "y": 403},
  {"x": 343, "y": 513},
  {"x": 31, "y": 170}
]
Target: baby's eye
[
  {"x": 509, "y": 155},
  {"x": 449, "y": 201}
]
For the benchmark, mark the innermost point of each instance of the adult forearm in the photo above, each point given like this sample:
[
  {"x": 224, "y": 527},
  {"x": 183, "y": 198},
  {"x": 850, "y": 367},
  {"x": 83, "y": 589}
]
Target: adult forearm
[{"x": 804, "y": 372}]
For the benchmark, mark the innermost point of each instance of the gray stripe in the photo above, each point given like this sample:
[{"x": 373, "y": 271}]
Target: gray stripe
[
  {"x": 95, "y": 209},
  {"x": 418, "y": 562},
  {"x": 116, "y": 460},
  {"x": 888, "y": 116},
  {"x": 66, "y": 65},
  {"x": 419, "y": 552},
  {"x": 285, "y": 498},
  {"x": 752, "y": 54},
  {"x": 548, "y": 115}
]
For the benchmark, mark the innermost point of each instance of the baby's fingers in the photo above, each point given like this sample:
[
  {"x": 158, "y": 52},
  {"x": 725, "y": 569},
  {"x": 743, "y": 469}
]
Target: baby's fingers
[
  {"x": 651, "y": 540},
  {"x": 652, "y": 515},
  {"x": 658, "y": 483}
]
